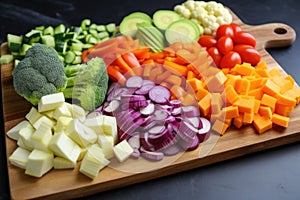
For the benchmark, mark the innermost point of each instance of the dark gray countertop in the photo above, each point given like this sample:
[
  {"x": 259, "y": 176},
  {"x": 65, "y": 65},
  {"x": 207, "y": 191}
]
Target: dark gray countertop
[{"x": 271, "y": 174}]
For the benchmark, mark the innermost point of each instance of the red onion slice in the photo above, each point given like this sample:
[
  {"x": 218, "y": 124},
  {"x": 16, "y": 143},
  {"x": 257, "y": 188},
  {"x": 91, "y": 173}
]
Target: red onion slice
[
  {"x": 154, "y": 156},
  {"x": 134, "y": 82},
  {"x": 191, "y": 111},
  {"x": 159, "y": 94},
  {"x": 204, "y": 132}
]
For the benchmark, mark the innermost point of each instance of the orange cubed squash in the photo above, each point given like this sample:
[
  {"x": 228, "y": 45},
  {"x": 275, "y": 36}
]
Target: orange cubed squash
[
  {"x": 269, "y": 101},
  {"x": 220, "y": 127},
  {"x": 205, "y": 105},
  {"x": 265, "y": 111},
  {"x": 280, "y": 120},
  {"x": 245, "y": 105},
  {"x": 261, "y": 123}
]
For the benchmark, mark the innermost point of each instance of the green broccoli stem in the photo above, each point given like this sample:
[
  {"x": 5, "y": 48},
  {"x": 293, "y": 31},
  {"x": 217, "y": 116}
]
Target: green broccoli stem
[
  {"x": 73, "y": 70},
  {"x": 68, "y": 92}
]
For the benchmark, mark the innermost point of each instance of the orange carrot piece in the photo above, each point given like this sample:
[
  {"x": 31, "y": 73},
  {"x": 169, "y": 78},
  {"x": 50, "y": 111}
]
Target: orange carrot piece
[
  {"x": 163, "y": 76},
  {"x": 116, "y": 75},
  {"x": 175, "y": 68},
  {"x": 178, "y": 91},
  {"x": 131, "y": 60},
  {"x": 142, "y": 52},
  {"x": 261, "y": 123},
  {"x": 190, "y": 75},
  {"x": 280, "y": 120},
  {"x": 174, "y": 80},
  {"x": 124, "y": 66}
]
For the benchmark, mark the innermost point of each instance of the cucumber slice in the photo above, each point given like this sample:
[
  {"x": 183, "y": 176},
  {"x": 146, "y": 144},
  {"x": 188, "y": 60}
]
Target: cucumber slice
[
  {"x": 128, "y": 25},
  {"x": 163, "y": 18},
  {"x": 140, "y": 15},
  {"x": 14, "y": 42},
  {"x": 183, "y": 30}
]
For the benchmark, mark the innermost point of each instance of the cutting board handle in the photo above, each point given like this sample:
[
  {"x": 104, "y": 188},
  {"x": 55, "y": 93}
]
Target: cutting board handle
[{"x": 272, "y": 35}]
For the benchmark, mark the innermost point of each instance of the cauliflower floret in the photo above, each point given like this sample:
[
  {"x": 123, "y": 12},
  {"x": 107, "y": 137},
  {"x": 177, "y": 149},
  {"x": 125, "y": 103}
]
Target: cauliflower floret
[
  {"x": 190, "y": 4},
  {"x": 209, "y": 15},
  {"x": 183, "y": 11}
]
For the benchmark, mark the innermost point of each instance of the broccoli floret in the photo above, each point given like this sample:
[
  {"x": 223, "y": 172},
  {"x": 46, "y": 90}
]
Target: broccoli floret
[
  {"x": 41, "y": 72},
  {"x": 87, "y": 83}
]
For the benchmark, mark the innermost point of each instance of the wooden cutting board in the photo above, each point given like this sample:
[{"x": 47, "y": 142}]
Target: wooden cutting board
[{"x": 68, "y": 184}]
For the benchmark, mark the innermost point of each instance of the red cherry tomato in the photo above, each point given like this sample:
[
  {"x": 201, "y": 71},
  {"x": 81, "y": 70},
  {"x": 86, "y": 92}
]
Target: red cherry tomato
[
  {"x": 248, "y": 54},
  {"x": 215, "y": 54},
  {"x": 243, "y": 37},
  {"x": 224, "y": 30},
  {"x": 236, "y": 28},
  {"x": 230, "y": 59},
  {"x": 225, "y": 44},
  {"x": 207, "y": 41}
]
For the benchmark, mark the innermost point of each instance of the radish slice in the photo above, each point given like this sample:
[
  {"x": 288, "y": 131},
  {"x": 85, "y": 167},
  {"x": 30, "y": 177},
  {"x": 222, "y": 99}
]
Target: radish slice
[
  {"x": 134, "y": 82},
  {"x": 159, "y": 94},
  {"x": 148, "y": 110},
  {"x": 154, "y": 156}
]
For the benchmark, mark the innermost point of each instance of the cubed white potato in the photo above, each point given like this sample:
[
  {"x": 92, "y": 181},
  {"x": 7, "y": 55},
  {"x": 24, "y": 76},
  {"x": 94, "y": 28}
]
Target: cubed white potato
[
  {"x": 25, "y": 137},
  {"x": 92, "y": 162},
  {"x": 19, "y": 157},
  {"x": 48, "y": 113},
  {"x": 123, "y": 150},
  {"x": 33, "y": 115},
  {"x": 13, "y": 133},
  {"x": 62, "y": 110},
  {"x": 96, "y": 123},
  {"x": 45, "y": 120},
  {"x": 107, "y": 145},
  {"x": 110, "y": 127},
  {"x": 51, "y": 102},
  {"x": 39, "y": 163},
  {"x": 62, "y": 124},
  {"x": 62, "y": 163},
  {"x": 61, "y": 145},
  {"x": 77, "y": 112},
  {"x": 81, "y": 134},
  {"x": 40, "y": 139}
]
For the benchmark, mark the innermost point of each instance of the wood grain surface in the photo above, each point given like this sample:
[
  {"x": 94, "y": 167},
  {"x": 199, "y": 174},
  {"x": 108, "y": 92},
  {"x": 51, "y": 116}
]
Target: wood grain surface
[{"x": 66, "y": 184}]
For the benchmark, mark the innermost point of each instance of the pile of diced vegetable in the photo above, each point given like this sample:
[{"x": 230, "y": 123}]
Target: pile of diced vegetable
[{"x": 154, "y": 87}]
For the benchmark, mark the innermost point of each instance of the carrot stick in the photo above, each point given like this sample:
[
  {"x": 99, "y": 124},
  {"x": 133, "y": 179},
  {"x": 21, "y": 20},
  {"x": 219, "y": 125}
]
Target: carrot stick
[
  {"x": 176, "y": 67},
  {"x": 124, "y": 66},
  {"x": 116, "y": 75}
]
